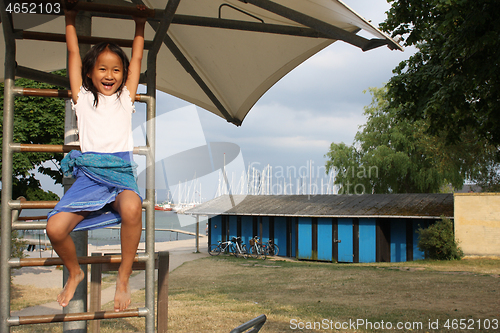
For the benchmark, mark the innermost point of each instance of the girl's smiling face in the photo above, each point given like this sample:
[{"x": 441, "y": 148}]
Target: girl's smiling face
[{"x": 107, "y": 74}]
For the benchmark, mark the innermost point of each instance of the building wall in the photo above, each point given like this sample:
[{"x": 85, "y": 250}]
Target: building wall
[
  {"x": 304, "y": 241},
  {"x": 367, "y": 240},
  {"x": 477, "y": 223},
  {"x": 398, "y": 240},
  {"x": 326, "y": 239}
]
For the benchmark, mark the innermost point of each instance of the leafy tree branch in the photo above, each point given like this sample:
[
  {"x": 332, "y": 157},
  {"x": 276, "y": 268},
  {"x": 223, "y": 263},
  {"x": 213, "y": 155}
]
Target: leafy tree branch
[
  {"x": 453, "y": 80},
  {"x": 37, "y": 120}
]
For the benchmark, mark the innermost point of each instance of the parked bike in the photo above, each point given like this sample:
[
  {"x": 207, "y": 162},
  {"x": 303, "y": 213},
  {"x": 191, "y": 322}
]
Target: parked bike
[
  {"x": 234, "y": 246},
  {"x": 271, "y": 248},
  {"x": 240, "y": 249},
  {"x": 257, "y": 249}
]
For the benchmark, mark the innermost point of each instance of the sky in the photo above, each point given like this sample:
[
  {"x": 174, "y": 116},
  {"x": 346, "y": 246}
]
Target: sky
[{"x": 291, "y": 127}]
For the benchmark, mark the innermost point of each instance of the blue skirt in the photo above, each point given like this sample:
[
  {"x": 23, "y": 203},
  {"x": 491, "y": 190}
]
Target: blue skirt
[{"x": 88, "y": 194}]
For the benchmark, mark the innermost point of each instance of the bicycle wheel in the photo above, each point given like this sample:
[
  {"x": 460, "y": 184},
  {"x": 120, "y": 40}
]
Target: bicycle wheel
[
  {"x": 254, "y": 252},
  {"x": 244, "y": 251},
  {"x": 238, "y": 252},
  {"x": 262, "y": 252},
  {"x": 270, "y": 249},
  {"x": 231, "y": 249},
  {"x": 214, "y": 250},
  {"x": 274, "y": 250}
]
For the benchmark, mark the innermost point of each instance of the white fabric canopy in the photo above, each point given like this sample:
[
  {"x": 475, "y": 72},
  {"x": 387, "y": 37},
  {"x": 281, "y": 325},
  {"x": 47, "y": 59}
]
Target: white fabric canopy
[{"x": 237, "y": 67}]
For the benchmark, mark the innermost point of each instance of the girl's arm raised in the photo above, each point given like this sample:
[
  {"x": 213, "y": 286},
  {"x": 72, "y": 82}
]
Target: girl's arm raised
[
  {"x": 74, "y": 59},
  {"x": 134, "y": 68}
]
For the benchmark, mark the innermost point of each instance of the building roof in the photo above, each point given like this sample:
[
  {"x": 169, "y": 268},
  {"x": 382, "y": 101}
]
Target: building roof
[{"x": 427, "y": 206}]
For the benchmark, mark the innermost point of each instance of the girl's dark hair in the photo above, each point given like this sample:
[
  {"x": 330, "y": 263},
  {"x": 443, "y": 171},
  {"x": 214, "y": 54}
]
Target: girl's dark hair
[{"x": 89, "y": 61}]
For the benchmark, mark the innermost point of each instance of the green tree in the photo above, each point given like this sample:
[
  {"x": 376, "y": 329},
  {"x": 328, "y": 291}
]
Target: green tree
[
  {"x": 489, "y": 179},
  {"x": 390, "y": 155},
  {"x": 453, "y": 80},
  {"x": 37, "y": 120}
]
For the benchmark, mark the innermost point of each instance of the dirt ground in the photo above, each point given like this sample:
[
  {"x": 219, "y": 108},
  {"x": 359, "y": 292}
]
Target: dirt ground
[
  {"x": 216, "y": 294},
  {"x": 297, "y": 295}
]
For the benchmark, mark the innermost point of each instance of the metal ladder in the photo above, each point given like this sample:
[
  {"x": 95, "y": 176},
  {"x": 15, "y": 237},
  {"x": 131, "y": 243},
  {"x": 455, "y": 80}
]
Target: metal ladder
[{"x": 160, "y": 21}]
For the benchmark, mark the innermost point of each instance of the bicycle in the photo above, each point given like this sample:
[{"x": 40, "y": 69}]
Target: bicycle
[
  {"x": 232, "y": 246},
  {"x": 271, "y": 248},
  {"x": 215, "y": 249},
  {"x": 240, "y": 249},
  {"x": 221, "y": 247},
  {"x": 257, "y": 249}
]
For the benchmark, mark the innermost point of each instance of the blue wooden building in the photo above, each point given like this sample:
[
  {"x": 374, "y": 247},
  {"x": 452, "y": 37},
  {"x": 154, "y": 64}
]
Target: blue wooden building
[{"x": 332, "y": 228}]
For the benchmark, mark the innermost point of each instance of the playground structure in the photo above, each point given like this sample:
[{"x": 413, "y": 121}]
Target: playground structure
[
  {"x": 75, "y": 315},
  {"x": 233, "y": 106}
]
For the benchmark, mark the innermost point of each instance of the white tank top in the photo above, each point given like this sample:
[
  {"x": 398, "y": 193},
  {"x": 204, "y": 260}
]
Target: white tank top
[{"x": 107, "y": 128}]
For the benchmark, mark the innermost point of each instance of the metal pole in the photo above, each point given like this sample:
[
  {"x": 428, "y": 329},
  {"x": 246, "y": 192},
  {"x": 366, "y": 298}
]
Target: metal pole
[
  {"x": 329, "y": 30},
  {"x": 72, "y": 317},
  {"x": 83, "y": 27},
  {"x": 7, "y": 168},
  {"x": 197, "y": 233},
  {"x": 51, "y": 37},
  {"x": 47, "y": 148},
  {"x": 167, "y": 17},
  {"x": 255, "y": 325},
  {"x": 114, "y": 9},
  {"x": 108, "y": 259},
  {"x": 36, "y": 75},
  {"x": 150, "y": 188},
  {"x": 58, "y": 93}
]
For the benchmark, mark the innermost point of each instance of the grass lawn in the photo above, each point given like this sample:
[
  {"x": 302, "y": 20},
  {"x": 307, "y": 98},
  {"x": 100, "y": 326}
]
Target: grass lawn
[{"x": 216, "y": 294}]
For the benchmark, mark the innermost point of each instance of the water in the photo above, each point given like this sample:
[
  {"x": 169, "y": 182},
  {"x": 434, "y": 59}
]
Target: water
[{"x": 106, "y": 236}]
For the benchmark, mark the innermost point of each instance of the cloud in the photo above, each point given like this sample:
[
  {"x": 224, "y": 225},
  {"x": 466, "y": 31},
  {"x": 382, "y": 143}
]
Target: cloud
[
  {"x": 337, "y": 75},
  {"x": 278, "y": 135},
  {"x": 318, "y": 103}
]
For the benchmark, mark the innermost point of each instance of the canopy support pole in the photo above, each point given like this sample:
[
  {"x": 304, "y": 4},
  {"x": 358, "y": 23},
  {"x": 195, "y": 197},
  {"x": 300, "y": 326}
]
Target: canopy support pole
[
  {"x": 168, "y": 15},
  {"x": 323, "y": 27},
  {"x": 78, "y": 303},
  {"x": 190, "y": 69}
]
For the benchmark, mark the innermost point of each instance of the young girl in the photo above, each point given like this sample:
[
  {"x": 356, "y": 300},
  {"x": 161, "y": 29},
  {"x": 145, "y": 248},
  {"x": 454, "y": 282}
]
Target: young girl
[{"x": 103, "y": 87}]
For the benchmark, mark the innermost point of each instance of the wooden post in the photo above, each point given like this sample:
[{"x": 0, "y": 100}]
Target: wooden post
[
  {"x": 162, "y": 315},
  {"x": 95, "y": 292}
]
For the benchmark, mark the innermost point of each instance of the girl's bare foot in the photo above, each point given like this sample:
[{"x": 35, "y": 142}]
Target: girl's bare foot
[
  {"x": 69, "y": 289},
  {"x": 122, "y": 293}
]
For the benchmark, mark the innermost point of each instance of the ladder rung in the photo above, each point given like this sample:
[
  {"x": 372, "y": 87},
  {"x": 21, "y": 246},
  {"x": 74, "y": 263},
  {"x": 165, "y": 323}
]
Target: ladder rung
[
  {"x": 60, "y": 93},
  {"x": 106, "y": 259},
  {"x": 41, "y": 148},
  {"x": 114, "y": 9},
  {"x": 30, "y": 223},
  {"x": 16, "y": 225},
  {"x": 33, "y": 241},
  {"x": 17, "y": 204},
  {"x": 52, "y": 37},
  {"x": 57, "y": 93},
  {"x": 32, "y": 218},
  {"x": 63, "y": 317}
]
